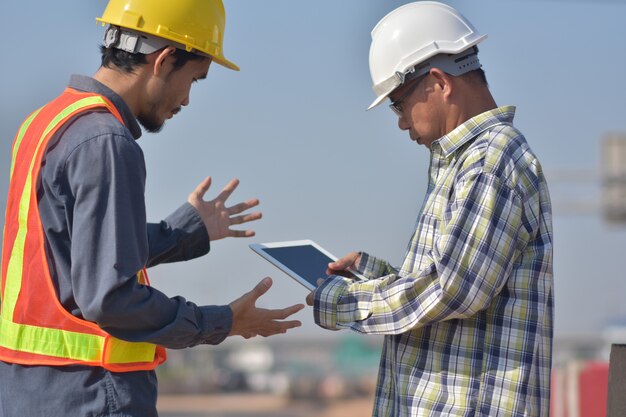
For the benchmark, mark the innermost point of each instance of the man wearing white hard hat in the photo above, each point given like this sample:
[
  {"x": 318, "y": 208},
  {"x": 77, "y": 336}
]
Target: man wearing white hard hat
[{"x": 468, "y": 317}]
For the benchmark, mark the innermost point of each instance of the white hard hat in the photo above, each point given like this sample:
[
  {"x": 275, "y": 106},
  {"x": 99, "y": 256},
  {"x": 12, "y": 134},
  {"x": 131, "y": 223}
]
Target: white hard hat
[{"x": 425, "y": 32}]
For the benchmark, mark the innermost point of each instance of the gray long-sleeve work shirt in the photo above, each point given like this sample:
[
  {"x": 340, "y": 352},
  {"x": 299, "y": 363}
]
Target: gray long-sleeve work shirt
[{"x": 91, "y": 202}]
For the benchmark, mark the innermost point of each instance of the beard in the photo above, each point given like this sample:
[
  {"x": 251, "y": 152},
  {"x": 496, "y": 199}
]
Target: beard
[{"x": 150, "y": 121}]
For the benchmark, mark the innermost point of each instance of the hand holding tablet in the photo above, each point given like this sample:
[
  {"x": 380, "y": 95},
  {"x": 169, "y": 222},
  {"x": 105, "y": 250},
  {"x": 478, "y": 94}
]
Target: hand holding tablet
[{"x": 303, "y": 260}]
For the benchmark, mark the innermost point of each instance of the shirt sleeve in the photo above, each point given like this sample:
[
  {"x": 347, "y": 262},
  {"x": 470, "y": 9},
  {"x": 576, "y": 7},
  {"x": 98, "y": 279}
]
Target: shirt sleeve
[
  {"x": 180, "y": 237},
  {"x": 372, "y": 267},
  {"x": 467, "y": 267},
  {"x": 109, "y": 245}
]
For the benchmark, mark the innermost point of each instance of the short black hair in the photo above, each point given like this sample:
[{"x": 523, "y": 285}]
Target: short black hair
[{"x": 128, "y": 62}]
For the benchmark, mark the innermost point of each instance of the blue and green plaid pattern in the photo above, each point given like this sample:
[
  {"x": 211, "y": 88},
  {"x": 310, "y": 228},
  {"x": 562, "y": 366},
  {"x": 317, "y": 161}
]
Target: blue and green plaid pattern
[{"x": 468, "y": 318}]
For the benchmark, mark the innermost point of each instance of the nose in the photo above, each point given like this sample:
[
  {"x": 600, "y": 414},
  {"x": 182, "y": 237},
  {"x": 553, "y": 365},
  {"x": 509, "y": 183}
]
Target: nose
[
  {"x": 185, "y": 101},
  {"x": 402, "y": 122}
]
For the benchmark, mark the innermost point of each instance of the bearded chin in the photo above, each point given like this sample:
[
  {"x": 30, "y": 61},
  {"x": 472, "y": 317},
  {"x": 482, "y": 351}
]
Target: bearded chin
[
  {"x": 151, "y": 125},
  {"x": 150, "y": 121}
]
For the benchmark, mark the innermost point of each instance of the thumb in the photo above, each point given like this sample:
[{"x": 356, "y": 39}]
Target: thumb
[
  {"x": 261, "y": 288},
  {"x": 339, "y": 264},
  {"x": 203, "y": 187}
]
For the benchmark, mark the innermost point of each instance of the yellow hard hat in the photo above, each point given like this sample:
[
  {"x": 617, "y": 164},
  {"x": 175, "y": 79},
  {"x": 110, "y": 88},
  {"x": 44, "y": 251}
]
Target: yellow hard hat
[{"x": 198, "y": 25}]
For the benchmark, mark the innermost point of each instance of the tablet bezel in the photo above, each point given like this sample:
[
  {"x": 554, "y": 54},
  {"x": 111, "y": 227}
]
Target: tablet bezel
[{"x": 258, "y": 248}]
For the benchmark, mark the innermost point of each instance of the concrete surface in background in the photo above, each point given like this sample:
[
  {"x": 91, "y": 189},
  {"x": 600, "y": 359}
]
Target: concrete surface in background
[{"x": 258, "y": 405}]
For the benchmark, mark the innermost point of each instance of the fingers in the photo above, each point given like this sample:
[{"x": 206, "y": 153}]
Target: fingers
[
  {"x": 310, "y": 299},
  {"x": 228, "y": 190},
  {"x": 241, "y": 233},
  {"x": 238, "y": 208},
  {"x": 261, "y": 288},
  {"x": 202, "y": 188},
  {"x": 245, "y": 218},
  {"x": 273, "y": 321},
  {"x": 250, "y": 321},
  {"x": 283, "y": 313},
  {"x": 278, "y": 327},
  {"x": 345, "y": 262},
  {"x": 281, "y": 329}
]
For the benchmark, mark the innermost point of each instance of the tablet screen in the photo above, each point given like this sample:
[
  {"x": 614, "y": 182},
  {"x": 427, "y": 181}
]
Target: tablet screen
[
  {"x": 306, "y": 260},
  {"x": 303, "y": 260}
]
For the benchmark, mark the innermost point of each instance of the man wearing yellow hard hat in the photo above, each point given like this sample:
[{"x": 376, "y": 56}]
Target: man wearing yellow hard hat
[{"x": 81, "y": 329}]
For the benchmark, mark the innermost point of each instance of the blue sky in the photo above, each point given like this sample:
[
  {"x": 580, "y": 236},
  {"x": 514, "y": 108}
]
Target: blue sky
[{"x": 292, "y": 127}]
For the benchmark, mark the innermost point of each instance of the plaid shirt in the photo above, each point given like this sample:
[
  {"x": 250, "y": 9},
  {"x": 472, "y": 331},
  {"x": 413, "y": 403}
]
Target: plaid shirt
[{"x": 468, "y": 317}]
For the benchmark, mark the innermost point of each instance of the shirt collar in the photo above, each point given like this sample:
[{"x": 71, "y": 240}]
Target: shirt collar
[
  {"x": 467, "y": 131},
  {"x": 89, "y": 85}
]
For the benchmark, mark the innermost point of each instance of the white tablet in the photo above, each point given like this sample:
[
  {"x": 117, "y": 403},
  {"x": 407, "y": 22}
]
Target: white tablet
[{"x": 303, "y": 260}]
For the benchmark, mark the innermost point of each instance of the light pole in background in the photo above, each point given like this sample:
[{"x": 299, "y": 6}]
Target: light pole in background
[
  {"x": 577, "y": 190},
  {"x": 614, "y": 178}
]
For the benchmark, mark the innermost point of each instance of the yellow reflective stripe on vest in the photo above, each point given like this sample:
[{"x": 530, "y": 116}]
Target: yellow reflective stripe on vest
[
  {"x": 50, "y": 342},
  {"x": 16, "y": 146},
  {"x": 43, "y": 340},
  {"x": 128, "y": 352},
  {"x": 71, "y": 345},
  {"x": 20, "y": 136},
  {"x": 13, "y": 282}
]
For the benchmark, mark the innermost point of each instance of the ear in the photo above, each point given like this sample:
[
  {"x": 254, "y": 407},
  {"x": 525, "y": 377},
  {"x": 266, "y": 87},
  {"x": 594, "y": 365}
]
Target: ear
[
  {"x": 444, "y": 81},
  {"x": 159, "y": 66}
]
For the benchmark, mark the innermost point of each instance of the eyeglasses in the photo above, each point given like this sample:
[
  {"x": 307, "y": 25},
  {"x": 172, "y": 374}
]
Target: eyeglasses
[{"x": 396, "y": 105}]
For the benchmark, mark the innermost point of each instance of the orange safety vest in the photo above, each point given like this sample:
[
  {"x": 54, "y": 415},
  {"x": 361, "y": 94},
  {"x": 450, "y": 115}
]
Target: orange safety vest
[{"x": 35, "y": 329}]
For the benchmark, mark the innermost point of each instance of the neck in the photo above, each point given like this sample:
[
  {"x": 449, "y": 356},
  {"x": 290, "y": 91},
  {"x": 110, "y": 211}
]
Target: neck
[
  {"x": 473, "y": 101},
  {"x": 126, "y": 85}
]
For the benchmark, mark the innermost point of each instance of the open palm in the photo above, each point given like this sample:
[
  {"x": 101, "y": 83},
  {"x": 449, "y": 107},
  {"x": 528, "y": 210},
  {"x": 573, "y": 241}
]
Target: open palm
[{"x": 217, "y": 217}]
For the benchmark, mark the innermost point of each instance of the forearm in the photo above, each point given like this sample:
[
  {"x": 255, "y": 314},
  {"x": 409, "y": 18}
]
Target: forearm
[
  {"x": 372, "y": 267},
  {"x": 466, "y": 269},
  {"x": 180, "y": 237},
  {"x": 113, "y": 298},
  {"x": 394, "y": 304},
  {"x": 143, "y": 314},
  {"x": 109, "y": 246}
]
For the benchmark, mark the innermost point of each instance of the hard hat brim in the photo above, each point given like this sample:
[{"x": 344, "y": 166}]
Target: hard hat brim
[
  {"x": 225, "y": 63},
  {"x": 378, "y": 100}
]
